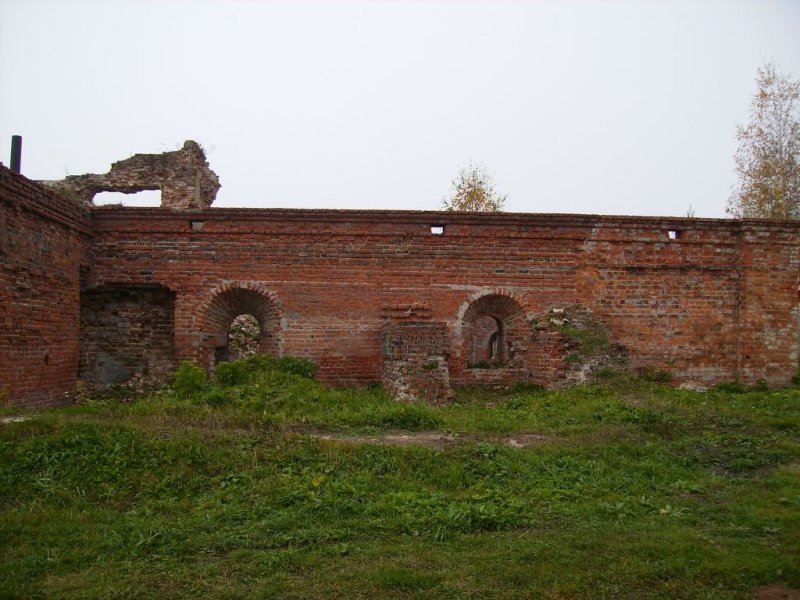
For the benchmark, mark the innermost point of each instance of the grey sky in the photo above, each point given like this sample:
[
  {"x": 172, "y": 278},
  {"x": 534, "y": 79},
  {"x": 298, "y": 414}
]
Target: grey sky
[{"x": 593, "y": 107}]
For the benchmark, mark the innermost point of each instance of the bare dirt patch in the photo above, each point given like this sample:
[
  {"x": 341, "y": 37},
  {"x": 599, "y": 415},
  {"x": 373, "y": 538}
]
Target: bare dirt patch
[
  {"x": 777, "y": 592},
  {"x": 432, "y": 439}
]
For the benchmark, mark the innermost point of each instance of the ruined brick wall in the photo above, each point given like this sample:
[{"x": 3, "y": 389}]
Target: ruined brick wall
[
  {"x": 706, "y": 300},
  {"x": 718, "y": 301},
  {"x": 183, "y": 176},
  {"x": 44, "y": 243}
]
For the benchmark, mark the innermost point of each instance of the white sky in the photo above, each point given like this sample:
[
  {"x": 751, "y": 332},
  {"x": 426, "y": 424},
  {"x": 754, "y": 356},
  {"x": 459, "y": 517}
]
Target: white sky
[{"x": 624, "y": 107}]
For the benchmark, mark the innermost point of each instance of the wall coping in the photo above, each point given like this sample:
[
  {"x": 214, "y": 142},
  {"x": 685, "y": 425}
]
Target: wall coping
[{"x": 378, "y": 216}]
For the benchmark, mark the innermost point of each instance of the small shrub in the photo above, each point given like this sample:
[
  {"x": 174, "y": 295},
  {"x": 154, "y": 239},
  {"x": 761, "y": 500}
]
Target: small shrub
[
  {"x": 189, "y": 379},
  {"x": 605, "y": 373},
  {"x": 216, "y": 397},
  {"x": 297, "y": 366},
  {"x": 523, "y": 387},
  {"x": 232, "y": 373},
  {"x": 731, "y": 387},
  {"x": 591, "y": 338},
  {"x": 761, "y": 386},
  {"x": 249, "y": 370},
  {"x": 656, "y": 375}
]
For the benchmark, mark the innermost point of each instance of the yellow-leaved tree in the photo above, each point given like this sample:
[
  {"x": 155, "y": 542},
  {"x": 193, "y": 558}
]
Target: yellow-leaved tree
[
  {"x": 768, "y": 158},
  {"x": 473, "y": 191}
]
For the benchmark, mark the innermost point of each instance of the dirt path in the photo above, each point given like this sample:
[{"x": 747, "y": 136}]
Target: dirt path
[
  {"x": 777, "y": 592},
  {"x": 429, "y": 439},
  {"x": 432, "y": 439}
]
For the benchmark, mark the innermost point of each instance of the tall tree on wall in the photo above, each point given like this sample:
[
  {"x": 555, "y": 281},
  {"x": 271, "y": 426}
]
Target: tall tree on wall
[
  {"x": 473, "y": 190},
  {"x": 768, "y": 158}
]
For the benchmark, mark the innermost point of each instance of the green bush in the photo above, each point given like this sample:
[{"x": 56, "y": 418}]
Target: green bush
[
  {"x": 654, "y": 375},
  {"x": 731, "y": 387},
  {"x": 761, "y": 386},
  {"x": 216, "y": 397},
  {"x": 250, "y": 369},
  {"x": 232, "y": 373},
  {"x": 189, "y": 379},
  {"x": 605, "y": 373},
  {"x": 297, "y": 366}
]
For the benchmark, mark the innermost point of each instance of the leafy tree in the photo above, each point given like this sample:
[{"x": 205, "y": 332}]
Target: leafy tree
[
  {"x": 768, "y": 158},
  {"x": 473, "y": 190}
]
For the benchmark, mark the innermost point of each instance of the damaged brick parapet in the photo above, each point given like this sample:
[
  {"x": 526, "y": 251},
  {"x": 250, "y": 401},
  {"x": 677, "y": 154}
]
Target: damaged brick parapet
[
  {"x": 183, "y": 176},
  {"x": 569, "y": 345}
]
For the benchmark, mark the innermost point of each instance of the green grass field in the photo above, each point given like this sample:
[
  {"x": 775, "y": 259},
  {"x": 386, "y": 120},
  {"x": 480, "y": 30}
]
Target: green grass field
[{"x": 622, "y": 489}]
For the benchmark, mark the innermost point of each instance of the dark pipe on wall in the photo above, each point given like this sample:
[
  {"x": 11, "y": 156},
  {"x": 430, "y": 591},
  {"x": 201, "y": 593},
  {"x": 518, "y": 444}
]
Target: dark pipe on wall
[{"x": 16, "y": 153}]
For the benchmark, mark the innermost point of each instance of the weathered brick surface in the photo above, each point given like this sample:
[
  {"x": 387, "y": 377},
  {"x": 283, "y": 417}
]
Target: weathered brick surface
[
  {"x": 719, "y": 301},
  {"x": 415, "y": 352},
  {"x": 44, "y": 243},
  {"x": 126, "y": 333},
  {"x": 183, "y": 176}
]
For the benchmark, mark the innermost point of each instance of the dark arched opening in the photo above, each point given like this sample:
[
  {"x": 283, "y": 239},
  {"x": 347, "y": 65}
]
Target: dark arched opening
[
  {"x": 493, "y": 332},
  {"x": 241, "y": 322}
]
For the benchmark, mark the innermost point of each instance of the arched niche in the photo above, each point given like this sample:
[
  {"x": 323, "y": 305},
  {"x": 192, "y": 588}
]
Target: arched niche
[{"x": 229, "y": 309}]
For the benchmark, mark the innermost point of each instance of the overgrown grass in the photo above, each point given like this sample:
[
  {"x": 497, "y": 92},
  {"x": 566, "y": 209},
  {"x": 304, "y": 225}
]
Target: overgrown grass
[{"x": 638, "y": 490}]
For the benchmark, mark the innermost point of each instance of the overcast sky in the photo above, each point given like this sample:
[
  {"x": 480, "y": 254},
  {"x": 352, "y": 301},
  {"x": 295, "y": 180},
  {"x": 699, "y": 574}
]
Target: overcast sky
[{"x": 586, "y": 107}]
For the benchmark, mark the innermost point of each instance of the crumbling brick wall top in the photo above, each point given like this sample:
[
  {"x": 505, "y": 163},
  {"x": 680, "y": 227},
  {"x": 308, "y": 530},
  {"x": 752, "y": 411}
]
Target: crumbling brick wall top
[{"x": 183, "y": 176}]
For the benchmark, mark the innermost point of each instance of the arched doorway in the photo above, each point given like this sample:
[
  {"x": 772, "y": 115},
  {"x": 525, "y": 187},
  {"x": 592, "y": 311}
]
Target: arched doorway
[
  {"x": 494, "y": 332},
  {"x": 240, "y": 321},
  {"x": 486, "y": 342}
]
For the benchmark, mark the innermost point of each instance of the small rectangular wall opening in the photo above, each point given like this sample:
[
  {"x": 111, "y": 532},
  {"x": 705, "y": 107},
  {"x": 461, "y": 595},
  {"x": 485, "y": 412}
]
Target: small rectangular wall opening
[
  {"x": 437, "y": 229},
  {"x": 673, "y": 234}
]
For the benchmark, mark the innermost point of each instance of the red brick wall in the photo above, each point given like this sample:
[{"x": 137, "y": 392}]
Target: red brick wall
[
  {"x": 768, "y": 315},
  {"x": 44, "y": 242},
  {"x": 718, "y": 301}
]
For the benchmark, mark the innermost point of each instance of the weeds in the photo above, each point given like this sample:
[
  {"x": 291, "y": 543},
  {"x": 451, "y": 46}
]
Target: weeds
[
  {"x": 654, "y": 492},
  {"x": 189, "y": 379}
]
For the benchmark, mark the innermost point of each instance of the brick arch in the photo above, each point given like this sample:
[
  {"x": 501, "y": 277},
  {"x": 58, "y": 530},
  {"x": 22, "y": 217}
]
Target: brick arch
[
  {"x": 226, "y": 302},
  {"x": 494, "y": 314},
  {"x": 483, "y": 293}
]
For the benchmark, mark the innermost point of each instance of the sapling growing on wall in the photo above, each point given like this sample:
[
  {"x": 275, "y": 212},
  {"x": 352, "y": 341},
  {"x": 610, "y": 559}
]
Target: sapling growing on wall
[{"x": 473, "y": 191}]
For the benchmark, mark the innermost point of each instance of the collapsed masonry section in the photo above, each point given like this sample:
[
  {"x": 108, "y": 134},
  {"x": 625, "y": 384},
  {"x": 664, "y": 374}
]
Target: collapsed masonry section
[
  {"x": 415, "y": 352},
  {"x": 183, "y": 176},
  {"x": 569, "y": 345}
]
